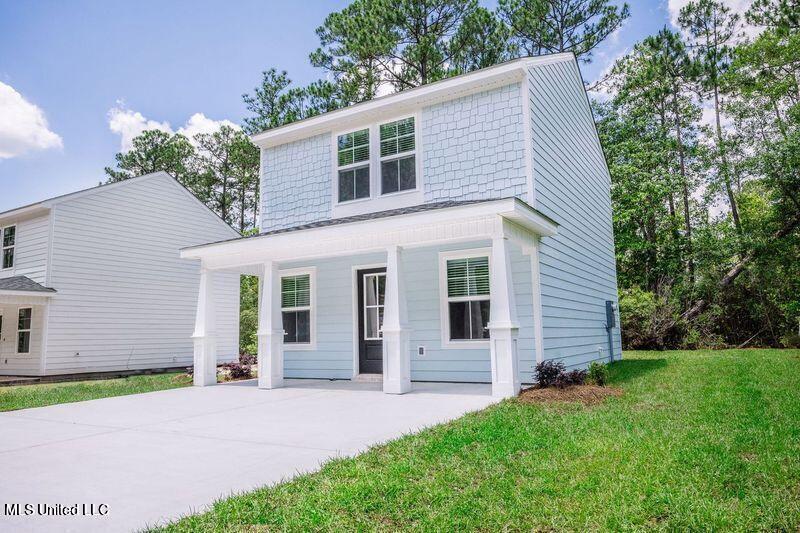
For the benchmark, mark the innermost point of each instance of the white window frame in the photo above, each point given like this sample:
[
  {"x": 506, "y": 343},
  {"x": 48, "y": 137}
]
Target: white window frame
[
  {"x": 312, "y": 308},
  {"x": 444, "y": 300},
  {"x": 28, "y": 331},
  {"x": 12, "y": 247},
  {"x": 401, "y": 155},
  {"x": 376, "y": 201},
  {"x": 369, "y": 163}
]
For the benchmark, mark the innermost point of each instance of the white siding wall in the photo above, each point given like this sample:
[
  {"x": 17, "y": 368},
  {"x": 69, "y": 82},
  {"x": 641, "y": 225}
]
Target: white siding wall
[
  {"x": 30, "y": 252},
  {"x": 125, "y": 299},
  {"x": 578, "y": 270}
]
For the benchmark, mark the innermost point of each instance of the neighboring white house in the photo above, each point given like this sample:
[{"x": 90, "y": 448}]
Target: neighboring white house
[
  {"x": 92, "y": 281},
  {"x": 459, "y": 231}
]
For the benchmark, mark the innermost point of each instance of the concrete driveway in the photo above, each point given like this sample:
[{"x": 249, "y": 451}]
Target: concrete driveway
[{"x": 156, "y": 456}]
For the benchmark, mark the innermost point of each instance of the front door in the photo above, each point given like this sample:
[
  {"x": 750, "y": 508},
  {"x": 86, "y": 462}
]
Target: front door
[{"x": 371, "y": 291}]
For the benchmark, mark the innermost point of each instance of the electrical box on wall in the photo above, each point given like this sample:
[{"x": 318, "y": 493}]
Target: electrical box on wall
[
  {"x": 421, "y": 351},
  {"x": 611, "y": 318}
]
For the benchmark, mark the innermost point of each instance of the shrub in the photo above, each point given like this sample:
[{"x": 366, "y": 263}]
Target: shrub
[
  {"x": 648, "y": 320},
  {"x": 598, "y": 374},
  {"x": 547, "y": 372},
  {"x": 568, "y": 379},
  {"x": 791, "y": 341},
  {"x": 238, "y": 371},
  {"x": 247, "y": 359}
]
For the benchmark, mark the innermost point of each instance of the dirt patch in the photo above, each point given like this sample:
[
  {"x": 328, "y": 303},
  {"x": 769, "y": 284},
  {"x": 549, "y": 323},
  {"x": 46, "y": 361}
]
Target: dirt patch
[{"x": 584, "y": 394}]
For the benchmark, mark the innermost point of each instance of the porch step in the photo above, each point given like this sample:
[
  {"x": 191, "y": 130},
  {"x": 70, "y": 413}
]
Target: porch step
[{"x": 368, "y": 378}]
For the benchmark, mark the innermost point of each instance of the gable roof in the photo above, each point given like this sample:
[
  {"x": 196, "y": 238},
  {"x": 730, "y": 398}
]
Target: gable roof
[
  {"x": 44, "y": 205},
  {"x": 23, "y": 284},
  {"x": 404, "y": 101}
]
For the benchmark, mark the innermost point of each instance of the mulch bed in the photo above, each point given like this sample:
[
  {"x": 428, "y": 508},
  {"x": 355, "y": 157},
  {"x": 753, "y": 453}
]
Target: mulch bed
[{"x": 584, "y": 394}]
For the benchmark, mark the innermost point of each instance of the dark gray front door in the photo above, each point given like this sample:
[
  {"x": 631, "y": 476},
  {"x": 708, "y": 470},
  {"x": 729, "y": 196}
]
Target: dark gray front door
[{"x": 371, "y": 291}]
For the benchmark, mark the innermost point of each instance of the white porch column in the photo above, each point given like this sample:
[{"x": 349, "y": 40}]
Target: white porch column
[
  {"x": 396, "y": 333},
  {"x": 204, "y": 336},
  {"x": 270, "y": 329},
  {"x": 503, "y": 325}
]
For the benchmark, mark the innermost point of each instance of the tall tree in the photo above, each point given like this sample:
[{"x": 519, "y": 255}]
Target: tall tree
[
  {"x": 712, "y": 27},
  {"x": 244, "y": 159},
  {"x": 154, "y": 151},
  {"x": 276, "y": 102},
  {"x": 552, "y": 26},
  {"x": 673, "y": 65},
  {"x": 402, "y": 43},
  {"x": 216, "y": 156}
]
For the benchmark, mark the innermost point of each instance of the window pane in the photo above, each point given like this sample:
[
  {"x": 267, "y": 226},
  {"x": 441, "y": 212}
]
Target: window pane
[
  {"x": 9, "y": 236},
  {"x": 468, "y": 277},
  {"x": 408, "y": 173},
  {"x": 405, "y": 144},
  {"x": 8, "y": 258},
  {"x": 405, "y": 126},
  {"x": 370, "y": 291},
  {"x": 371, "y": 323},
  {"x": 381, "y": 289},
  {"x": 296, "y": 291},
  {"x": 346, "y": 185},
  {"x": 397, "y": 137},
  {"x": 24, "y": 342},
  {"x": 389, "y": 176},
  {"x": 353, "y": 147},
  {"x": 290, "y": 327},
  {"x": 362, "y": 182},
  {"x": 303, "y": 326},
  {"x": 479, "y": 319},
  {"x": 24, "y": 319},
  {"x": 459, "y": 320},
  {"x": 388, "y": 147}
]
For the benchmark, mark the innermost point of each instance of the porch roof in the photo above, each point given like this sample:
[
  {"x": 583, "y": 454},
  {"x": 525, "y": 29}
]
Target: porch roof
[
  {"x": 23, "y": 284},
  {"x": 419, "y": 225}
]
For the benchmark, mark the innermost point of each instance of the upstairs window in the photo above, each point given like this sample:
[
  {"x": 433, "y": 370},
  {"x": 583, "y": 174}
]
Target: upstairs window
[
  {"x": 24, "y": 330},
  {"x": 353, "y": 165},
  {"x": 9, "y": 239},
  {"x": 468, "y": 298},
  {"x": 296, "y": 308},
  {"x": 398, "y": 156}
]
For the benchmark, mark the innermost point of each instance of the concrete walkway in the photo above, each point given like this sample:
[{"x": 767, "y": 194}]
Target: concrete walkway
[{"x": 156, "y": 456}]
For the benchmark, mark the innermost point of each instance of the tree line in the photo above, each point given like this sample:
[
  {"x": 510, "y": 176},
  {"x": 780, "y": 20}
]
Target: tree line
[{"x": 706, "y": 211}]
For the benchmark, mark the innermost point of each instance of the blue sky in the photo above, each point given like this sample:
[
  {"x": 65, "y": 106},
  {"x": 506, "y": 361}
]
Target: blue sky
[{"x": 89, "y": 66}]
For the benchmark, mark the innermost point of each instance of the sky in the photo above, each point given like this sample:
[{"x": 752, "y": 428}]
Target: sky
[{"x": 79, "y": 79}]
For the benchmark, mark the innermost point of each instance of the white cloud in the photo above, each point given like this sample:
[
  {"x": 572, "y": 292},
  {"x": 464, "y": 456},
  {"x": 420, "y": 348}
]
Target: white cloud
[
  {"x": 736, "y": 6},
  {"x": 199, "y": 123},
  {"x": 128, "y": 124},
  {"x": 23, "y": 126}
]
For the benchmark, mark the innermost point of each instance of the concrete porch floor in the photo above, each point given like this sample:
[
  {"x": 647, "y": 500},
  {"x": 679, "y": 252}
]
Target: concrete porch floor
[{"x": 156, "y": 456}]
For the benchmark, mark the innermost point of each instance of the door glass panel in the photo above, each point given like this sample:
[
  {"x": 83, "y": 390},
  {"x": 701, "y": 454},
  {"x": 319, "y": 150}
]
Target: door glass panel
[{"x": 374, "y": 296}]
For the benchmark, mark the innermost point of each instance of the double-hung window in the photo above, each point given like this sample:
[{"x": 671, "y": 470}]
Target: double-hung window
[
  {"x": 398, "y": 156},
  {"x": 8, "y": 241},
  {"x": 353, "y": 165},
  {"x": 467, "y": 298},
  {"x": 296, "y": 309},
  {"x": 24, "y": 330}
]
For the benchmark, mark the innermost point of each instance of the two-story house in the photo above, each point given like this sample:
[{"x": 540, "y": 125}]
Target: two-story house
[
  {"x": 93, "y": 282},
  {"x": 460, "y": 231}
]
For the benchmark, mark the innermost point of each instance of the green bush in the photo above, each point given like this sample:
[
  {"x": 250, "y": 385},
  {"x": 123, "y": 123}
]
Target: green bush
[
  {"x": 648, "y": 320},
  {"x": 597, "y": 374}
]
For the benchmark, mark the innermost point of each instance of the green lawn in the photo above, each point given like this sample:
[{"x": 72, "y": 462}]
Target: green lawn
[
  {"x": 38, "y": 395},
  {"x": 699, "y": 440}
]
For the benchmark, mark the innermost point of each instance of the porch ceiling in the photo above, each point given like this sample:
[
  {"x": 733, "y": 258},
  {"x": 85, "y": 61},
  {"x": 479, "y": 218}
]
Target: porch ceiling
[{"x": 421, "y": 226}]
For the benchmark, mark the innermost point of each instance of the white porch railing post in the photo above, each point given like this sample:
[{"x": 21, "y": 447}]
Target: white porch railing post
[
  {"x": 204, "y": 336},
  {"x": 396, "y": 333},
  {"x": 270, "y": 329},
  {"x": 503, "y": 325}
]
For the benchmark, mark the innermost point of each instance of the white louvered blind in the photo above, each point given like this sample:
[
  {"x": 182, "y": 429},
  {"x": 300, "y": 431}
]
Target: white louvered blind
[{"x": 468, "y": 277}]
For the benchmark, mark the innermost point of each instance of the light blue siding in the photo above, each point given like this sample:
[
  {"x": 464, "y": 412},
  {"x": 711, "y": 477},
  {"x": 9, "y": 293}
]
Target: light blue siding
[
  {"x": 578, "y": 270},
  {"x": 333, "y": 356},
  {"x": 473, "y": 147},
  {"x": 296, "y": 183}
]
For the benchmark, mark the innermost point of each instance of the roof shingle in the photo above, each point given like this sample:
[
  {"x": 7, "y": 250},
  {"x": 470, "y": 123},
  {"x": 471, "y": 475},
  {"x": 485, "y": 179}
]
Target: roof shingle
[{"x": 24, "y": 284}]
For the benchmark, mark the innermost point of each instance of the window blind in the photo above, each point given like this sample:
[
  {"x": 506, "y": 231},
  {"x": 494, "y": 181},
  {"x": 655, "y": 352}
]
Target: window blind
[
  {"x": 468, "y": 277},
  {"x": 397, "y": 137},
  {"x": 296, "y": 291},
  {"x": 353, "y": 147}
]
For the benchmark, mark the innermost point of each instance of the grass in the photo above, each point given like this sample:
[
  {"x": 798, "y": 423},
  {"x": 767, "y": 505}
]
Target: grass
[
  {"x": 39, "y": 395},
  {"x": 699, "y": 440}
]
